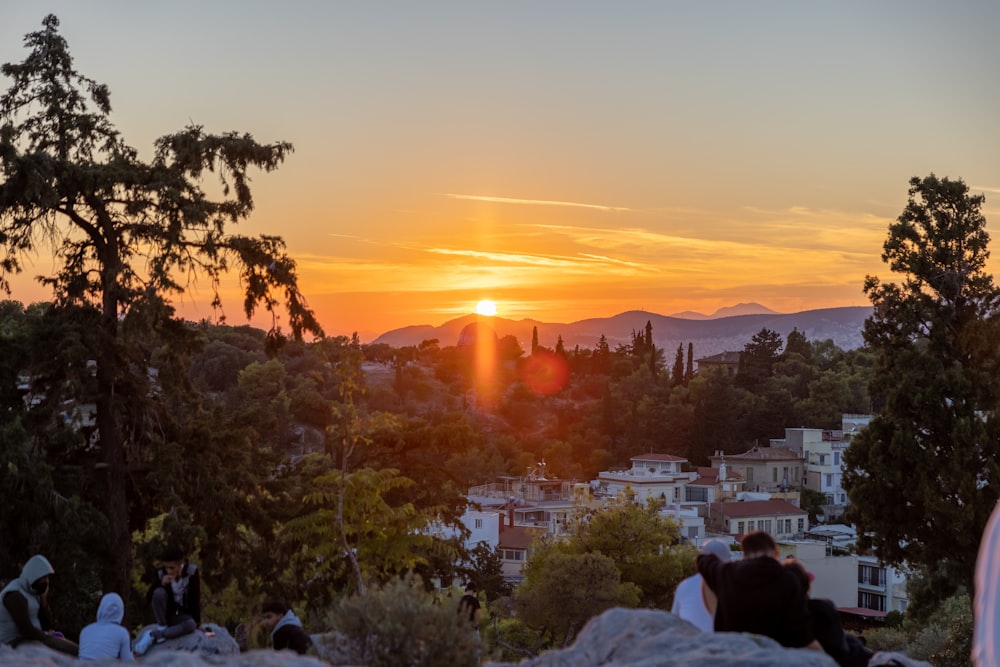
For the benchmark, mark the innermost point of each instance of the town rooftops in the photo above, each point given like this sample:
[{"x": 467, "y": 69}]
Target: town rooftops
[
  {"x": 764, "y": 454},
  {"x": 737, "y": 510},
  {"x": 519, "y": 537},
  {"x": 657, "y": 457}
]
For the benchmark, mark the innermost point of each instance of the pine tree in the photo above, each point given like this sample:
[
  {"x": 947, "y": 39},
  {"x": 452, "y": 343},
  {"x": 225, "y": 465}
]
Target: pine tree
[
  {"x": 125, "y": 233},
  {"x": 924, "y": 475}
]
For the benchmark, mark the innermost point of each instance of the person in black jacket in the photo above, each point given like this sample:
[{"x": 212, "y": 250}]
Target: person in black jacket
[
  {"x": 175, "y": 596},
  {"x": 758, "y": 594},
  {"x": 845, "y": 648},
  {"x": 286, "y": 628}
]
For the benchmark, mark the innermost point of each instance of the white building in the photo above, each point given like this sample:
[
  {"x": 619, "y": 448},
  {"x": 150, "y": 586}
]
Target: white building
[{"x": 651, "y": 476}]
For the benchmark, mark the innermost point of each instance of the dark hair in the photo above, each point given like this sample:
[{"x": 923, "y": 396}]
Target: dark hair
[
  {"x": 274, "y": 607},
  {"x": 171, "y": 554},
  {"x": 758, "y": 542},
  {"x": 471, "y": 587},
  {"x": 800, "y": 573}
]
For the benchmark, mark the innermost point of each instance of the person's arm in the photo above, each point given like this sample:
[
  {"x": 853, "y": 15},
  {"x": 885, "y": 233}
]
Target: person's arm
[
  {"x": 17, "y": 606},
  {"x": 125, "y": 647},
  {"x": 710, "y": 568},
  {"x": 300, "y": 642},
  {"x": 281, "y": 640}
]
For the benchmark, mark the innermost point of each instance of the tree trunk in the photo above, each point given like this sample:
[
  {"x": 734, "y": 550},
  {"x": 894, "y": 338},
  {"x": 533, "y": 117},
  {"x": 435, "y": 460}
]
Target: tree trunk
[{"x": 118, "y": 576}]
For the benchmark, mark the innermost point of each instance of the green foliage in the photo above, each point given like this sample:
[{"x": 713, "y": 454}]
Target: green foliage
[
  {"x": 642, "y": 544},
  {"x": 946, "y": 640},
  {"x": 402, "y": 624},
  {"x": 935, "y": 444},
  {"x": 561, "y": 591}
]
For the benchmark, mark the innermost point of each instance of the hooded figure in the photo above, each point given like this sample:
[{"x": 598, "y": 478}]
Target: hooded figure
[
  {"x": 24, "y": 608},
  {"x": 107, "y": 638},
  {"x": 286, "y": 628}
]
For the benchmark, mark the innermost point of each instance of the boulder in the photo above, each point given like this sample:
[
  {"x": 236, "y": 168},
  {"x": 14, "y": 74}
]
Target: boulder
[
  {"x": 215, "y": 640},
  {"x": 652, "y": 638},
  {"x": 40, "y": 656}
]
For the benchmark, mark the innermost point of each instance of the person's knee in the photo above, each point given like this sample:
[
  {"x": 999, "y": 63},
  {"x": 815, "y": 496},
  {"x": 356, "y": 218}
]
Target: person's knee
[
  {"x": 159, "y": 595},
  {"x": 188, "y": 626}
]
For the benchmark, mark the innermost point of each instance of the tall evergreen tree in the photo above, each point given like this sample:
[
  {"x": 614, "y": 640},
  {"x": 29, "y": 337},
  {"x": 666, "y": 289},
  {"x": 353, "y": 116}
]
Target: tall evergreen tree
[
  {"x": 534, "y": 339},
  {"x": 689, "y": 371},
  {"x": 934, "y": 448},
  {"x": 125, "y": 233},
  {"x": 677, "y": 377}
]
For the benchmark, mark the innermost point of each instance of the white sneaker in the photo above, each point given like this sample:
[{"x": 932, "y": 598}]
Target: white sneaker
[{"x": 144, "y": 642}]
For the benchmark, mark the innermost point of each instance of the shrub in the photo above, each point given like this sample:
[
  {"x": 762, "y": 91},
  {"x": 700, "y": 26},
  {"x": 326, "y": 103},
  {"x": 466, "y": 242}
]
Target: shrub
[
  {"x": 402, "y": 624},
  {"x": 946, "y": 641}
]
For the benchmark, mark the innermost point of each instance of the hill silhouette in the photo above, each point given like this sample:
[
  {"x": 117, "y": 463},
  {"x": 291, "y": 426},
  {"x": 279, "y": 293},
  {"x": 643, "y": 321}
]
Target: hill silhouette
[{"x": 709, "y": 336}]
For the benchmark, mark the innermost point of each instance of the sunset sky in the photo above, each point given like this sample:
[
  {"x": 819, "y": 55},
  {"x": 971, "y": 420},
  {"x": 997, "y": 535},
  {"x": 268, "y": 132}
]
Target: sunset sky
[{"x": 566, "y": 159}]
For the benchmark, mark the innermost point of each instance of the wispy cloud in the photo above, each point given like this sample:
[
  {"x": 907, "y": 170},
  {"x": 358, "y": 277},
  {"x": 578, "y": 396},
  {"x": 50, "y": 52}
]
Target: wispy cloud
[
  {"x": 984, "y": 188},
  {"x": 540, "y": 202}
]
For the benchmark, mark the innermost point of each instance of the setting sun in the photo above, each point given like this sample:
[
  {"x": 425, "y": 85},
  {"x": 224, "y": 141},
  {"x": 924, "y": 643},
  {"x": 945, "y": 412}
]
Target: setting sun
[{"x": 486, "y": 307}]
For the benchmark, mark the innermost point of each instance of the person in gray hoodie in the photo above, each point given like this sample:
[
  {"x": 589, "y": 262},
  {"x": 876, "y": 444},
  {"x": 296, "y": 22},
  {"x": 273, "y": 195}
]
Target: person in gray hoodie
[
  {"x": 24, "y": 609},
  {"x": 286, "y": 628},
  {"x": 107, "y": 638}
]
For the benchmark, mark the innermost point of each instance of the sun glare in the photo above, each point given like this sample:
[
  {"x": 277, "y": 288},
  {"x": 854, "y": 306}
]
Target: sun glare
[{"x": 486, "y": 307}]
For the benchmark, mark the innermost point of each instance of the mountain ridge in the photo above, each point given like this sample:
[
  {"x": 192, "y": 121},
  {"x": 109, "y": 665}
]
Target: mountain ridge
[{"x": 842, "y": 325}]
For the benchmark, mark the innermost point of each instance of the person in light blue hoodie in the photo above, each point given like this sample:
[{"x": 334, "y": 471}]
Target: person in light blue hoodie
[
  {"x": 286, "y": 628},
  {"x": 107, "y": 638}
]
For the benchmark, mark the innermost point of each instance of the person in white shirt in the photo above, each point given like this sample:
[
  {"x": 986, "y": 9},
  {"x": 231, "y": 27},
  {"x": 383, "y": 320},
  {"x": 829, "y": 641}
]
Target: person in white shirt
[
  {"x": 986, "y": 609},
  {"x": 693, "y": 600}
]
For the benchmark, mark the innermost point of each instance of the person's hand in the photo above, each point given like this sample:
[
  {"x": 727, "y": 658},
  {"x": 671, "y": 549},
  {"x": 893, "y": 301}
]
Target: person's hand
[{"x": 167, "y": 580}]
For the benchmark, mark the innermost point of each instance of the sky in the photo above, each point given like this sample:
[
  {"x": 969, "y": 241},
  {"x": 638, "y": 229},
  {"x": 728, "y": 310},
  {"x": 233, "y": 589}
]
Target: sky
[{"x": 565, "y": 159}]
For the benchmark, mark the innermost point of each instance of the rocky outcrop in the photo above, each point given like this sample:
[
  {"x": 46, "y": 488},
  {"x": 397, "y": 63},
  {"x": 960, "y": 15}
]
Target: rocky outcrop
[
  {"x": 616, "y": 638},
  {"x": 651, "y": 638},
  {"x": 216, "y": 640}
]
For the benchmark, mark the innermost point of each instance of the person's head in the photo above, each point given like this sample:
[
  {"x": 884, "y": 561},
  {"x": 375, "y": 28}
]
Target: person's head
[
  {"x": 172, "y": 560},
  {"x": 35, "y": 574},
  {"x": 759, "y": 543},
  {"x": 804, "y": 576},
  {"x": 471, "y": 587},
  {"x": 719, "y": 548},
  {"x": 271, "y": 613}
]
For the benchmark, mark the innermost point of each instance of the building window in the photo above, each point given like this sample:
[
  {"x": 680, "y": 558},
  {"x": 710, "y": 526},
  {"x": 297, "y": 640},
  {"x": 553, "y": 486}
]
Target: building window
[
  {"x": 868, "y": 600},
  {"x": 802, "y": 525},
  {"x": 788, "y": 525},
  {"x": 511, "y": 554},
  {"x": 774, "y": 474},
  {"x": 829, "y": 480},
  {"x": 822, "y": 459},
  {"x": 836, "y": 458},
  {"x": 479, "y": 523},
  {"x": 871, "y": 575},
  {"x": 741, "y": 528},
  {"x": 767, "y": 526}
]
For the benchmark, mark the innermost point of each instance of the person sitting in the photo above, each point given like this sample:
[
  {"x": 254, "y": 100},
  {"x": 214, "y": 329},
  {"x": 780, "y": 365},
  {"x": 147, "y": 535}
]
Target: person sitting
[
  {"x": 286, "y": 628},
  {"x": 694, "y": 601},
  {"x": 757, "y": 594},
  {"x": 24, "y": 609},
  {"x": 107, "y": 638},
  {"x": 175, "y": 596},
  {"x": 845, "y": 648}
]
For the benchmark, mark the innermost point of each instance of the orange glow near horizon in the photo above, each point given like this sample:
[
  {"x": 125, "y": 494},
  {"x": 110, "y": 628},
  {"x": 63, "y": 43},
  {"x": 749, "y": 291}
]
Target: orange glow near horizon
[{"x": 437, "y": 168}]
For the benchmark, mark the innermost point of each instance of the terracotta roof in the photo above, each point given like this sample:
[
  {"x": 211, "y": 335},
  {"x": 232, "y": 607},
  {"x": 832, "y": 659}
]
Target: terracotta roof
[
  {"x": 764, "y": 454},
  {"x": 518, "y": 537},
  {"x": 657, "y": 457},
  {"x": 745, "y": 508},
  {"x": 704, "y": 481},
  {"x": 861, "y": 611},
  {"x": 721, "y": 358}
]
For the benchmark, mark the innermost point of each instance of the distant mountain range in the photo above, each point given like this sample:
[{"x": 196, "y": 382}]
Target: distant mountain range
[{"x": 709, "y": 335}]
